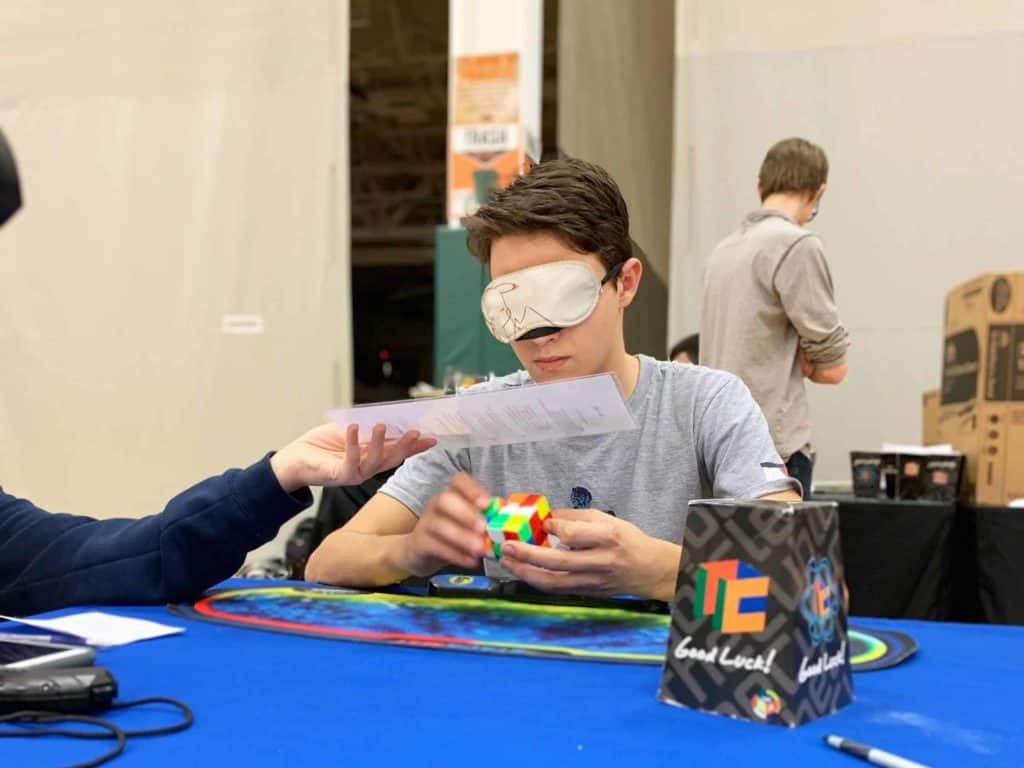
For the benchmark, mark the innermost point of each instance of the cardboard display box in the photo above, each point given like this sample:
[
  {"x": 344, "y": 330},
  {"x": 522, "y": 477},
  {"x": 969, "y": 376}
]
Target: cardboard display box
[
  {"x": 933, "y": 477},
  {"x": 982, "y": 402},
  {"x": 758, "y": 624}
]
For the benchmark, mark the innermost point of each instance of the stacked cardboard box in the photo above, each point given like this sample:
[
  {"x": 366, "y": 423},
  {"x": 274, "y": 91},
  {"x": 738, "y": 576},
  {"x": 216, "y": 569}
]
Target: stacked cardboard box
[
  {"x": 930, "y": 417},
  {"x": 981, "y": 410}
]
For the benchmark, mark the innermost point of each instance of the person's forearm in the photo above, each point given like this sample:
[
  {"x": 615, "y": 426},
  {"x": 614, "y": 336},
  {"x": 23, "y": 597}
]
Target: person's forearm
[
  {"x": 783, "y": 496},
  {"x": 288, "y": 471},
  {"x": 665, "y": 559},
  {"x": 832, "y": 374},
  {"x": 359, "y": 560},
  {"x": 200, "y": 538}
]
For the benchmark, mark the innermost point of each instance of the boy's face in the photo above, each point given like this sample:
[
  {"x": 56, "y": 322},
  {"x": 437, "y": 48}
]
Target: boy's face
[{"x": 580, "y": 350}]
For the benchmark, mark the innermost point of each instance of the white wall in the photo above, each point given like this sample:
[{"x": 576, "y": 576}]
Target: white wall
[
  {"x": 180, "y": 162},
  {"x": 615, "y": 105},
  {"x": 919, "y": 107}
]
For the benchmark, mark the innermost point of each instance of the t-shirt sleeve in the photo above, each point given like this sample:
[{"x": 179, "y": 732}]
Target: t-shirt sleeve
[
  {"x": 736, "y": 450},
  {"x": 422, "y": 476}
]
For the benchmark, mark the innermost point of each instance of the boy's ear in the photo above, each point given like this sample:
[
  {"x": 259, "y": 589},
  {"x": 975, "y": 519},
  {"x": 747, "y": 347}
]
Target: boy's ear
[{"x": 629, "y": 281}]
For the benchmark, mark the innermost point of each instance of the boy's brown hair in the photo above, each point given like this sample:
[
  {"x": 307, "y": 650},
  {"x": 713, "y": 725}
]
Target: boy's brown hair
[
  {"x": 793, "y": 165},
  {"x": 574, "y": 200}
]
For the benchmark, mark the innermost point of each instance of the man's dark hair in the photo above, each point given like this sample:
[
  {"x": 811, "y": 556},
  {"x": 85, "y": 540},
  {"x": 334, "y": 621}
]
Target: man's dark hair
[
  {"x": 793, "y": 165},
  {"x": 690, "y": 345},
  {"x": 574, "y": 200}
]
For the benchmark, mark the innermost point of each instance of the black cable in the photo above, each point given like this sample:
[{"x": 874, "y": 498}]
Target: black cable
[
  {"x": 32, "y": 717},
  {"x": 186, "y": 721},
  {"x": 26, "y": 720}
]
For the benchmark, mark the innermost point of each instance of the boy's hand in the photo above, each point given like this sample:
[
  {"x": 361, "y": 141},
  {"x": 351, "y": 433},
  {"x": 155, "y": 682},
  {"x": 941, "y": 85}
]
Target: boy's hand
[
  {"x": 450, "y": 530},
  {"x": 608, "y": 556}
]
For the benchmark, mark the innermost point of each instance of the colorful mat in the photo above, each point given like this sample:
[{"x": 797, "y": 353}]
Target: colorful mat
[{"x": 482, "y": 624}]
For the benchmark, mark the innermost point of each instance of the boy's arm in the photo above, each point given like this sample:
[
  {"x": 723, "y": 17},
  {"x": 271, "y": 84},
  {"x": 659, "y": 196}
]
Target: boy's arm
[
  {"x": 736, "y": 449},
  {"x": 367, "y": 551},
  {"x": 400, "y": 532},
  {"x": 783, "y": 496},
  {"x": 385, "y": 543}
]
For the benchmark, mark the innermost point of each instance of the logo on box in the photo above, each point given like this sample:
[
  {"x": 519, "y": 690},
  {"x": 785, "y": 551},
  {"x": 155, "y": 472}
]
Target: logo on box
[
  {"x": 734, "y": 594},
  {"x": 819, "y": 602},
  {"x": 765, "y": 703}
]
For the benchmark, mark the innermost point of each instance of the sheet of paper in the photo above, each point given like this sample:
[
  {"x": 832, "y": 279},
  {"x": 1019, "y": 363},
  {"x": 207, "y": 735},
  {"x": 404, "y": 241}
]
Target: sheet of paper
[
  {"x": 101, "y": 629},
  {"x": 591, "y": 405},
  {"x": 920, "y": 450}
]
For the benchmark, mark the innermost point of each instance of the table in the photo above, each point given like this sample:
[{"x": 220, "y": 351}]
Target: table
[
  {"x": 900, "y": 557},
  {"x": 999, "y": 563},
  {"x": 264, "y": 699},
  {"x": 933, "y": 560}
]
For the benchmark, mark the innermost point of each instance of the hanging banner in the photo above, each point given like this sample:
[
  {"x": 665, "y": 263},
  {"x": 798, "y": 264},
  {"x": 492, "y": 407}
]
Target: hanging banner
[{"x": 485, "y": 136}]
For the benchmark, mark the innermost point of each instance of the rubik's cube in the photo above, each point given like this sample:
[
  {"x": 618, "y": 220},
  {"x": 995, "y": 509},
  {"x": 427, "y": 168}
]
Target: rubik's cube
[{"x": 520, "y": 517}]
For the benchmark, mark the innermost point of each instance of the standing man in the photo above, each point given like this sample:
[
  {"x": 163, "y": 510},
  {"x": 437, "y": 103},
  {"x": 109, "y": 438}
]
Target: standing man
[{"x": 769, "y": 310}]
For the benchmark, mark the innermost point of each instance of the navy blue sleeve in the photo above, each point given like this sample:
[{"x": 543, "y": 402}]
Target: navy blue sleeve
[{"x": 48, "y": 561}]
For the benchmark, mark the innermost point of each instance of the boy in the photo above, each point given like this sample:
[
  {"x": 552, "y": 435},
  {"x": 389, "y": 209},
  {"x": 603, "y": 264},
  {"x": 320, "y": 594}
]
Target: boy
[{"x": 557, "y": 245}]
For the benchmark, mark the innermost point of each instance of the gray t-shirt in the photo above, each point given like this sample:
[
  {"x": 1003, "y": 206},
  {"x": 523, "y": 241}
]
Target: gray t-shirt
[{"x": 700, "y": 435}]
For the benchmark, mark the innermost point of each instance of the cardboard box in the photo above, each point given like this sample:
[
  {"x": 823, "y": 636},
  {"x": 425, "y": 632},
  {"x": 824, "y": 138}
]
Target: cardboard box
[
  {"x": 982, "y": 402},
  {"x": 758, "y": 623},
  {"x": 930, "y": 417}
]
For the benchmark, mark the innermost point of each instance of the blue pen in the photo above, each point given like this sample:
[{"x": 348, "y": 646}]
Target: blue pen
[{"x": 871, "y": 754}]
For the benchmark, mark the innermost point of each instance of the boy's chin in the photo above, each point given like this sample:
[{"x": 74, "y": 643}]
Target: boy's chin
[{"x": 540, "y": 375}]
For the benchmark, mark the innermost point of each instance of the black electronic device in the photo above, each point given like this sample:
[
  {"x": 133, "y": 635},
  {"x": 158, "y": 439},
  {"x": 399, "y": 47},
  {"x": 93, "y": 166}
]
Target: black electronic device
[{"x": 71, "y": 690}]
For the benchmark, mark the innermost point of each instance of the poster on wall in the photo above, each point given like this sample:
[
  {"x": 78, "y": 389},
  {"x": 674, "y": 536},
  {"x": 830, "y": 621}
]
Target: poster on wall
[{"x": 485, "y": 137}]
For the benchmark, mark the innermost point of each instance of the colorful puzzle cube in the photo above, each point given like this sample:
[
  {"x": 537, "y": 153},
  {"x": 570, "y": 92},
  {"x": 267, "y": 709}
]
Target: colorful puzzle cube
[{"x": 520, "y": 517}]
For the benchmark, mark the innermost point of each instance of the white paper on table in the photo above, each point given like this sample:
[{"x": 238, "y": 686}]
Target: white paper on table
[
  {"x": 101, "y": 629},
  {"x": 590, "y": 405},
  {"x": 945, "y": 449}
]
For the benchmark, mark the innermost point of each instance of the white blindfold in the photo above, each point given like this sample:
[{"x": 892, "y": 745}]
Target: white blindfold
[{"x": 538, "y": 301}]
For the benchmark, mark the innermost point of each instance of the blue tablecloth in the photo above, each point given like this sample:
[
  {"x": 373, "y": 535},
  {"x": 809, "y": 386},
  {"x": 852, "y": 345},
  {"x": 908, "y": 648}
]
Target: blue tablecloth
[{"x": 264, "y": 699}]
